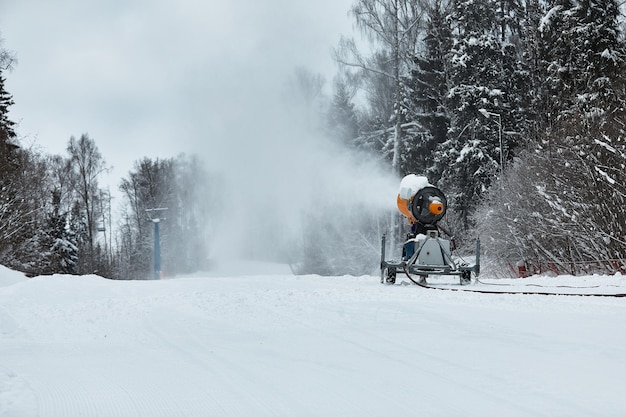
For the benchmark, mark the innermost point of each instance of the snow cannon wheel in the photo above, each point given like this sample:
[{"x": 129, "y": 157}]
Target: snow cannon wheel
[
  {"x": 390, "y": 276},
  {"x": 466, "y": 277}
]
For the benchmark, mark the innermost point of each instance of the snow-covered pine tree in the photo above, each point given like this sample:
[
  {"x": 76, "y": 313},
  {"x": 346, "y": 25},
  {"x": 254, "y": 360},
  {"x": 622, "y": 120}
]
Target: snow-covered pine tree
[
  {"x": 58, "y": 241},
  {"x": 77, "y": 226},
  {"x": 486, "y": 80},
  {"x": 582, "y": 58},
  {"x": 7, "y": 126},
  {"x": 429, "y": 85},
  {"x": 8, "y": 138},
  {"x": 530, "y": 46}
]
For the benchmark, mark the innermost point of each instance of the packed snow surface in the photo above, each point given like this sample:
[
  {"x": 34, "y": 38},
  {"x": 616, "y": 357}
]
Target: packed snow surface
[{"x": 284, "y": 345}]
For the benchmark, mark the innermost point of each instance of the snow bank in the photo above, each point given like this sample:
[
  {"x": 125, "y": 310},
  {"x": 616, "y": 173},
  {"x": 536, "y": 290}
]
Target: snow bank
[
  {"x": 10, "y": 277},
  {"x": 16, "y": 397}
]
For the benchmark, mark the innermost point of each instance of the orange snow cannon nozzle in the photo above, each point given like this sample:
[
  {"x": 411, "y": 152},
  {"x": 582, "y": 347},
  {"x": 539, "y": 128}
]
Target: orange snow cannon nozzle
[{"x": 436, "y": 207}]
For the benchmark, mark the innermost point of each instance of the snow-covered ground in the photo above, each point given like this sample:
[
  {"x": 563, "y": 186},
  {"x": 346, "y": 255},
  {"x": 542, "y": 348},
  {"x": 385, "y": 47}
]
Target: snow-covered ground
[{"x": 283, "y": 345}]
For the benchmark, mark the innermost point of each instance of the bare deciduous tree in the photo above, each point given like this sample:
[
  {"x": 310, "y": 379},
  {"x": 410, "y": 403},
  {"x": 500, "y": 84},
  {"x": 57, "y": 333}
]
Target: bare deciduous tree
[
  {"x": 394, "y": 26},
  {"x": 86, "y": 166}
]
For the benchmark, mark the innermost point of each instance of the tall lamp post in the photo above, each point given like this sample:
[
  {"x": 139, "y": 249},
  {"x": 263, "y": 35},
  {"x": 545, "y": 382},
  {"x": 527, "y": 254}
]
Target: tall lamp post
[
  {"x": 153, "y": 216},
  {"x": 488, "y": 115}
]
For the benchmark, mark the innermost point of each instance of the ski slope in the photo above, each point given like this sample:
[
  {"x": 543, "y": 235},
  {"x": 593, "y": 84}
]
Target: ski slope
[{"x": 283, "y": 345}]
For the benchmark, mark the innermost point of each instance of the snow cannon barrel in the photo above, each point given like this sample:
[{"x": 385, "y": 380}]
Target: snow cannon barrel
[
  {"x": 420, "y": 201},
  {"x": 429, "y": 205}
]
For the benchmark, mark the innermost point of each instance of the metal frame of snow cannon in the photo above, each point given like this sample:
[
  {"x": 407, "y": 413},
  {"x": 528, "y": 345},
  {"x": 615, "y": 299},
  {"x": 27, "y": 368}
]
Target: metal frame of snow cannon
[{"x": 431, "y": 257}]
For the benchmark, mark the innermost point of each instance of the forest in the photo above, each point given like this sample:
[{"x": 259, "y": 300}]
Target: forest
[{"x": 514, "y": 107}]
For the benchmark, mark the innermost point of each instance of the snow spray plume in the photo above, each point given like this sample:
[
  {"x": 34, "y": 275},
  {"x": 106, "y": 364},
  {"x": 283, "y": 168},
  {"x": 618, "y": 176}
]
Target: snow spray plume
[{"x": 295, "y": 197}]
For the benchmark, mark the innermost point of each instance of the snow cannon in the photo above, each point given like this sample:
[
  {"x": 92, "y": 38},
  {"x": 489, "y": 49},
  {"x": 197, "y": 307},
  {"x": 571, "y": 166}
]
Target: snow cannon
[
  {"x": 425, "y": 252},
  {"x": 419, "y": 201}
]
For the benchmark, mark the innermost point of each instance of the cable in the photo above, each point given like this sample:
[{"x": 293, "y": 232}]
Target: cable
[{"x": 424, "y": 285}]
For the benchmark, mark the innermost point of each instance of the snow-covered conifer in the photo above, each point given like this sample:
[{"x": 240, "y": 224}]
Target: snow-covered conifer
[{"x": 485, "y": 97}]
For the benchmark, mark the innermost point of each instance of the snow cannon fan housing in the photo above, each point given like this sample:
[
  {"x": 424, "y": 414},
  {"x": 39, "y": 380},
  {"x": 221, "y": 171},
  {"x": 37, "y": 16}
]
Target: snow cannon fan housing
[{"x": 428, "y": 206}]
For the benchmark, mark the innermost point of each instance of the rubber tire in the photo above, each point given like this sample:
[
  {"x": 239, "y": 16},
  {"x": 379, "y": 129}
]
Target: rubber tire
[{"x": 466, "y": 277}]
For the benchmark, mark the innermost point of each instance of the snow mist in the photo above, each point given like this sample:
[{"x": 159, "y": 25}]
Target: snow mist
[{"x": 281, "y": 184}]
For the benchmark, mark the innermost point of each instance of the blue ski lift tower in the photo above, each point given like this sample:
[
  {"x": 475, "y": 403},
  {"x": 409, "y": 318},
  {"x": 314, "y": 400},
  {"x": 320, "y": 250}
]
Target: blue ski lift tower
[{"x": 155, "y": 216}]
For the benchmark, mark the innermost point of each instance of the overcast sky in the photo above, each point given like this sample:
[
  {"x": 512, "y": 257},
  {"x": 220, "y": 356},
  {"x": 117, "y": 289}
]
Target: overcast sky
[{"x": 158, "y": 77}]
